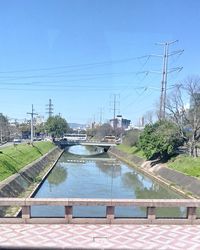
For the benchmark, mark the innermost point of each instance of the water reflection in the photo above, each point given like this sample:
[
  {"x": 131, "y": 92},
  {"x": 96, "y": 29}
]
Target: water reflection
[
  {"x": 98, "y": 178},
  {"x": 58, "y": 175},
  {"x": 86, "y": 150},
  {"x": 109, "y": 168},
  {"x": 146, "y": 188},
  {"x": 130, "y": 180}
]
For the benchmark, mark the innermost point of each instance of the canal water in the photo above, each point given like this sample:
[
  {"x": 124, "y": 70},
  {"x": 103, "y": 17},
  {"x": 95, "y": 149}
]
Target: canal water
[{"x": 86, "y": 172}]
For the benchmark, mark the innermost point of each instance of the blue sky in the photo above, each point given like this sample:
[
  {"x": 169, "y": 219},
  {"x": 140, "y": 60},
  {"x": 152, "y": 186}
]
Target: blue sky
[{"x": 80, "y": 53}]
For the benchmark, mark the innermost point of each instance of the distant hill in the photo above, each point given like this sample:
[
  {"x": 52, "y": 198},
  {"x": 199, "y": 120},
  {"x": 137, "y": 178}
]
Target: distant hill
[{"x": 77, "y": 126}]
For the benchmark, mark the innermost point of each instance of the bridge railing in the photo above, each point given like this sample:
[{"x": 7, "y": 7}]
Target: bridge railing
[
  {"x": 98, "y": 142},
  {"x": 191, "y": 206}
]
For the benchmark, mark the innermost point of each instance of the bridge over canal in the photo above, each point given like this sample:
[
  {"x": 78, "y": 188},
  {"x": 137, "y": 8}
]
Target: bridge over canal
[{"x": 105, "y": 145}]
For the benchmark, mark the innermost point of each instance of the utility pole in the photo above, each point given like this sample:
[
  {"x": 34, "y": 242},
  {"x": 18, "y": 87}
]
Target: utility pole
[
  {"x": 163, "y": 94},
  {"x": 32, "y": 114},
  {"x": 114, "y": 109},
  {"x": 100, "y": 115},
  {"x": 50, "y": 108},
  {"x": 93, "y": 121}
]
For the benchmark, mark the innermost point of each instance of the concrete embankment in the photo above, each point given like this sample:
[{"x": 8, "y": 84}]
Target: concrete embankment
[
  {"x": 128, "y": 158},
  {"x": 179, "y": 182},
  {"x": 18, "y": 183}
]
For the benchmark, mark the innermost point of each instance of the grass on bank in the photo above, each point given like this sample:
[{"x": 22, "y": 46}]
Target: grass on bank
[
  {"x": 131, "y": 150},
  {"x": 182, "y": 163},
  {"x": 13, "y": 158},
  {"x": 186, "y": 164}
]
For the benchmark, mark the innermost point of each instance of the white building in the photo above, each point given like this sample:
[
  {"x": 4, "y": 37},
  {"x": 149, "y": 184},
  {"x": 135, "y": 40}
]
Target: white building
[{"x": 120, "y": 122}]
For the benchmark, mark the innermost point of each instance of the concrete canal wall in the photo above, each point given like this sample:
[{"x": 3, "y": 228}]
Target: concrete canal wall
[
  {"x": 188, "y": 184},
  {"x": 18, "y": 183},
  {"x": 179, "y": 182},
  {"x": 132, "y": 159}
]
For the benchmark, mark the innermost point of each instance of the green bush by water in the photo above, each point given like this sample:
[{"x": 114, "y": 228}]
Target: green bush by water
[{"x": 13, "y": 158}]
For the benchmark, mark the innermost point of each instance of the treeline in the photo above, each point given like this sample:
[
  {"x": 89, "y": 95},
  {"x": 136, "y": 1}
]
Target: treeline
[
  {"x": 180, "y": 126},
  {"x": 55, "y": 126}
]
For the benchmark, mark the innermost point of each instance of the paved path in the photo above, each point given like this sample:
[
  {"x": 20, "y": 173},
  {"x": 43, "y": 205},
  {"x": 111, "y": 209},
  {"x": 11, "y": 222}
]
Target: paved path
[{"x": 100, "y": 236}]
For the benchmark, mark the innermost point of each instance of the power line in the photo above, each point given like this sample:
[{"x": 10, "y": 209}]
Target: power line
[
  {"x": 68, "y": 77},
  {"x": 137, "y": 99},
  {"x": 102, "y": 63},
  {"x": 67, "y": 88}
]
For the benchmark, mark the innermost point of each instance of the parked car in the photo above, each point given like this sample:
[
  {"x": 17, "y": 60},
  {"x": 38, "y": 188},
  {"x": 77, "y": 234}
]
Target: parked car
[{"x": 17, "y": 141}]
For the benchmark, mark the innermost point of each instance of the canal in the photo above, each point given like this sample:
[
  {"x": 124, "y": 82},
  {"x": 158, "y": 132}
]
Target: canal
[{"x": 85, "y": 172}]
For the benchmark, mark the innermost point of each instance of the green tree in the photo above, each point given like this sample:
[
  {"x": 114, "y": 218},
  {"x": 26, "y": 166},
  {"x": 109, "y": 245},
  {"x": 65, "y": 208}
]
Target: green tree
[
  {"x": 160, "y": 140},
  {"x": 40, "y": 129},
  {"x": 56, "y": 126},
  {"x": 25, "y": 129}
]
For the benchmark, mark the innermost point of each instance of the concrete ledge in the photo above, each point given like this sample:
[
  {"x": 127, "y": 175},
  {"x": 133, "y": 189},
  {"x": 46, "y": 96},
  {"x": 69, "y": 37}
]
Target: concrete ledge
[
  {"x": 126, "y": 221},
  {"x": 99, "y": 202}
]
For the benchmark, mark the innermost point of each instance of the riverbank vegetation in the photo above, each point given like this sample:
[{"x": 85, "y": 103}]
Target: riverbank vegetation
[
  {"x": 159, "y": 143},
  {"x": 160, "y": 140},
  {"x": 178, "y": 124},
  {"x": 130, "y": 143},
  {"x": 131, "y": 150},
  {"x": 14, "y": 158},
  {"x": 185, "y": 164}
]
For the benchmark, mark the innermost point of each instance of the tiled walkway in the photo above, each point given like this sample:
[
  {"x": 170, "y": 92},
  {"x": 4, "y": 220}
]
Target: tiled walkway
[{"x": 100, "y": 236}]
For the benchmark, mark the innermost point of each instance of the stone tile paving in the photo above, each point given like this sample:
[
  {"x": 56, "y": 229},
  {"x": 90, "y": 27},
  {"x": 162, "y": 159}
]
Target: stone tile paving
[{"x": 100, "y": 236}]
